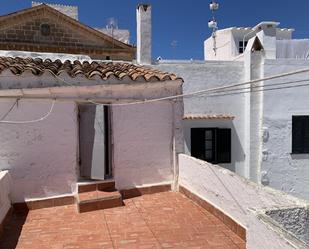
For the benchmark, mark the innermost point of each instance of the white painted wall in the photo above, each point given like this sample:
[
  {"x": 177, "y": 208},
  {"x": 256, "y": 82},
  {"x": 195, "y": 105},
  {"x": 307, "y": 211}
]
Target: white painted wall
[
  {"x": 5, "y": 190},
  {"x": 237, "y": 197},
  {"x": 286, "y": 172},
  {"x": 228, "y": 39},
  {"x": 224, "y": 46},
  {"x": 41, "y": 157},
  {"x": 142, "y": 136},
  {"x": 204, "y": 75}
]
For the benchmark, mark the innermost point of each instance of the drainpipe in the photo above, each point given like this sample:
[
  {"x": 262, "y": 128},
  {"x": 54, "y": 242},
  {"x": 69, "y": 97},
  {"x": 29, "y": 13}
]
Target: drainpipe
[{"x": 174, "y": 154}]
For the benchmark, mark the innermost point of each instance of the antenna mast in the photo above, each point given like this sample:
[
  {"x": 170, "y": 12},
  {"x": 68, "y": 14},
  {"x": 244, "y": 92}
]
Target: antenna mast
[
  {"x": 212, "y": 24},
  {"x": 112, "y": 24}
]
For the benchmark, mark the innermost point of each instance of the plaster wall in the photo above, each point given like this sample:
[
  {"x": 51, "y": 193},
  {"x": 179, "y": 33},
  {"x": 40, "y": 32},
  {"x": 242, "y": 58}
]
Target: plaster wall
[
  {"x": 5, "y": 189},
  {"x": 227, "y": 41},
  {"x": 237, "y": 197},
  {"x": 283, "y": 170},
  {"x": 41, "y": 157},
  {"x": 224, "y": 44},
  {"x": 143, "y": 138},
  {"x": 205, "y": 75}
]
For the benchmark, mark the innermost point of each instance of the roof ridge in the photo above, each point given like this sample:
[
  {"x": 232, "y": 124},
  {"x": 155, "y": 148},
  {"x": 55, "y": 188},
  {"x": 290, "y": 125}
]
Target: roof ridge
[{"x": 54, "y": 4}]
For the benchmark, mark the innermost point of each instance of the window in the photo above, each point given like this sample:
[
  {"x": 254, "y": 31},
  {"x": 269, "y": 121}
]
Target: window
[
  {"x": 300, "y": 134},
  {"x": 242, "y": 46},
  {"x": 211, "y": 144},
  {"x": 45, "y": 29}
]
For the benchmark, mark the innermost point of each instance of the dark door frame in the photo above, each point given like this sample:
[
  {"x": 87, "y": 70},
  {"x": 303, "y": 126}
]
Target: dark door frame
[{"x": 108, "y": 141}]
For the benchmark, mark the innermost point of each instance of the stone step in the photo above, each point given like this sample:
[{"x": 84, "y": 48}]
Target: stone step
[
  {"x": 97, "y": 200},
  {"x": 84, "y": 187}
]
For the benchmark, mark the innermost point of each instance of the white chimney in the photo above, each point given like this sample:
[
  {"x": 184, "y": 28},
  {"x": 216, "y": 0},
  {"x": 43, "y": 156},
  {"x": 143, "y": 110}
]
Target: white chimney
[{"x": 143, "y": 16}]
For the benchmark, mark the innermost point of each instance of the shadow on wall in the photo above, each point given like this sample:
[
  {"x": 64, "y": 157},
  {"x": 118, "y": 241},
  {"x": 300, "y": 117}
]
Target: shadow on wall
[{"x": 237, "y": 151}]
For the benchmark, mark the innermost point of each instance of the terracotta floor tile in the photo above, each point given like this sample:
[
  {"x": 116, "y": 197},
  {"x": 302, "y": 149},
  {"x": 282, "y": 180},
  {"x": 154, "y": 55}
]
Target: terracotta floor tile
[{"x": 163, "y": 220}]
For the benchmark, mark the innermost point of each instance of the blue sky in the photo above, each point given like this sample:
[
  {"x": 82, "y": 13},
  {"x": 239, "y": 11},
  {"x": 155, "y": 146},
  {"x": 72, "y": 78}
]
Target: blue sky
[{"x": 180, "y": 26}]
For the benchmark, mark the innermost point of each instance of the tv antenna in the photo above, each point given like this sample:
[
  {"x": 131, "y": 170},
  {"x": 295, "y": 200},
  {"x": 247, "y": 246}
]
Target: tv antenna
[
  {"x": 112, "y": 24},
  {"x": 212, "y": 24}
]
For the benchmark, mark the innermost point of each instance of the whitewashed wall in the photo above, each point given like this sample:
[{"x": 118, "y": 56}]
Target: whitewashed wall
[
  {"x": 5, "y": 189},
  {"x": 285, "y": 171},
  {"x": 142, "y": 144},
  {"x": 237, "y": 197},
  {"x": 205, "y": 75},
  {"x": 41, "y": 157}
]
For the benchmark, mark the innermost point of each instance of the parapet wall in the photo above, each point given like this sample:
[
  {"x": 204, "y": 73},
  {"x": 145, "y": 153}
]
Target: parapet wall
[
  {"x": 238, "y": 198},
  {"x": 5, "y": 186}
]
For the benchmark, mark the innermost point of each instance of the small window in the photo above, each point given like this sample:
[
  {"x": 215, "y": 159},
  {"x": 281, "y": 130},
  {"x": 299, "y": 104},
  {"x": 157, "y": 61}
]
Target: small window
[
  {"x": 242, "y": 46},
  {"x": 211, "y": 144},
  {"x": 45, "y": 29},
  {"x": 300, "y": 134}
]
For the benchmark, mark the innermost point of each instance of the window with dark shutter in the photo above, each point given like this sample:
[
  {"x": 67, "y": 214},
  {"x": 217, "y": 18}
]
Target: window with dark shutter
[
  {"x": 300, "y": 134},
  {"x": 198, "y": 143},
  {"x": 224, "y": 145},
  {"x": 211, "y": 144}
]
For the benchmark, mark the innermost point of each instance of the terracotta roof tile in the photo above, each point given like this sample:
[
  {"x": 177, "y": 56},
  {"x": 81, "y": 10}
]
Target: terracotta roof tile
[
  {"x": 104, "y": 70},
  {"x": 208, "y": 116}
]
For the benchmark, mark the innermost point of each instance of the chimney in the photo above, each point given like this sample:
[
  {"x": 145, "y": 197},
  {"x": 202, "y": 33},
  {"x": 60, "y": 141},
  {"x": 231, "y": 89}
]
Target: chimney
[{"x": 143, "y": 16}]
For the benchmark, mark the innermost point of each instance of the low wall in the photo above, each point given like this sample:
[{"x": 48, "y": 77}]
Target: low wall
[
  {"x": 237, "y": 197},
  {"x": 5, "y": 186}
]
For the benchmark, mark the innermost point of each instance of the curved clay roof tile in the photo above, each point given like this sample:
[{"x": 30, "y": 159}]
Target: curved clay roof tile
[{"x": 37, "y": 66}]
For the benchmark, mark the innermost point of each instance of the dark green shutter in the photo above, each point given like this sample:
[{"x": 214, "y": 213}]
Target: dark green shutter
[
  {"x": 198, "y": 143},
  {"x": 300, "y": 134},
  {"x": 223, "y": 146}
]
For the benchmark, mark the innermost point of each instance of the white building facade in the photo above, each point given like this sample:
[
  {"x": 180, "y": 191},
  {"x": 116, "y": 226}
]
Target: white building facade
[{"x": 267, "y": 118}]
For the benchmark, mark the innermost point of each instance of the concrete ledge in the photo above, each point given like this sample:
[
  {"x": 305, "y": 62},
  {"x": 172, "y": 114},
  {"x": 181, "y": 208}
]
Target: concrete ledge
[
  {"x": 44, "y": 203},
  {"x": 135, "y": 192},
  {"x": 227, "y": 220}
]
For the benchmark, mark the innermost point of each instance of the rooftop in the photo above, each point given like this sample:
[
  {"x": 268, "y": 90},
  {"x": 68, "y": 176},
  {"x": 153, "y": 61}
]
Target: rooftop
[
  {"x": 88, "y": 69},
  {"x": 163, "y": 220}
]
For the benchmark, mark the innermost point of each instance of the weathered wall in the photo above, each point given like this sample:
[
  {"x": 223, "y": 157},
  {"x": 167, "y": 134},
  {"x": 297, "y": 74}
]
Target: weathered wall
[
  {"x": 205, "y": 75},
  {"x": 69, "y": 10},
  {"x": 294, "y": 220},
  {"x": 41, "y": 157},
  {"x": 285, "y": 171},
  {"x": 46, "y": 30},
  {"x": 142, "y": 144},
  {"x": 237, "y": 197},
  {"x": 5, "y": 189}
]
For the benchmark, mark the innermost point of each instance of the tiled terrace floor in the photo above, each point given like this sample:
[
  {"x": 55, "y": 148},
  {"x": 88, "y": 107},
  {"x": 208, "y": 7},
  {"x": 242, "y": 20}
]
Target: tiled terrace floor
[{"x": 164, "y": 220}]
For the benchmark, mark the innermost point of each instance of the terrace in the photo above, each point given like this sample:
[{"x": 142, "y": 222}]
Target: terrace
[
  {"x": 214, "y": 208},
  {"x": 162, "y": 220}
]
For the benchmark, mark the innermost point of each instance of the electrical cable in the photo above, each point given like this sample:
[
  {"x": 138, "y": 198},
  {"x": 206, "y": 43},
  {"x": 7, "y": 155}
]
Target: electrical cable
[
  {"x": 31, "y": 121},
  {"x": 8, "y": 112},
  {"x": 200, "y": 92}
]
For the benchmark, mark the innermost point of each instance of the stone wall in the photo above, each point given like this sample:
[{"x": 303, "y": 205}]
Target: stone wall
[{"x": 69, "y": 10}]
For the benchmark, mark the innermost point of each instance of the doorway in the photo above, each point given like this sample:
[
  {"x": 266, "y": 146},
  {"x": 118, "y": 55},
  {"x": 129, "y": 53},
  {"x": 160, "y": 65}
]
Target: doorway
[{"x": 94, "y": 142}]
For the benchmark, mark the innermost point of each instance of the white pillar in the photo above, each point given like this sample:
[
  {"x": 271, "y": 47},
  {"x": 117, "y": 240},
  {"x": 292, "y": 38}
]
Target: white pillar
[{"x": 143, "y": 16}]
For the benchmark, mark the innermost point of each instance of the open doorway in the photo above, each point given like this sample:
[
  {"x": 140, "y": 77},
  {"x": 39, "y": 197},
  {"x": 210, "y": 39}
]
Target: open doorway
[{"x": 94, "y": 142}]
